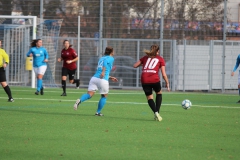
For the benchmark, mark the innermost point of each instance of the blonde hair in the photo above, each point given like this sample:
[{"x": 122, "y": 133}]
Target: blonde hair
[{"x": 153, "y": 51}]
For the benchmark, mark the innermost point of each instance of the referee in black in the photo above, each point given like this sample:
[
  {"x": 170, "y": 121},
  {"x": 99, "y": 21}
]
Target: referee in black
[{"x": 4, "y": 60}]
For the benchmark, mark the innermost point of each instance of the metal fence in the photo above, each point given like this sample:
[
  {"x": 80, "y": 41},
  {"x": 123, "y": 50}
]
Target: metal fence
[{"x": 190, "y": 65}]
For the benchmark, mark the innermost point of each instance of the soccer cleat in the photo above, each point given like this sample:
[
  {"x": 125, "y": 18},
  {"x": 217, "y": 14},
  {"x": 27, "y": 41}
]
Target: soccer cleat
[
  {"x": 75, "y": 106},
  {"x": 37, "y": 92},
  {"x": 10, "y": 100},
  {"x": 99, "y": 114},
  {"x": 41, "y": 91},
  {"x": 64, "y": 94},
  {"x": 158, "y": 117}
]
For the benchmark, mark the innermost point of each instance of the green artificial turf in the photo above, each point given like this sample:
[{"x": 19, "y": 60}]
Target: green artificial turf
[{"x": 46, "y": 127}]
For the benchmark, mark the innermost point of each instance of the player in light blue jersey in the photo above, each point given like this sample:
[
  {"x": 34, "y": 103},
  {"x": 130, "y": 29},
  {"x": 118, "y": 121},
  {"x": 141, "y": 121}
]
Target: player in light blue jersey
[
  {"x": 99, "y": 81},
  {"x": 40, "y": 59},
  {"x": 234, "y": 69}
]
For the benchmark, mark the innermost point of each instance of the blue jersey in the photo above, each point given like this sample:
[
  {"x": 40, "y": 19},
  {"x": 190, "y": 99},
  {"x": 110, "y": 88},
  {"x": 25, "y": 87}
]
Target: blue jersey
[
  {"x": 107, "y": 63},
  {"x": 39, "y": 55},
  {"x": 237, "y": 63}
]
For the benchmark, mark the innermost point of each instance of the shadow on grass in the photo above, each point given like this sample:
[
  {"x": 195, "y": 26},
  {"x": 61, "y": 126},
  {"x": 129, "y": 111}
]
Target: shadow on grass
[{"x": 68, "y": 114}]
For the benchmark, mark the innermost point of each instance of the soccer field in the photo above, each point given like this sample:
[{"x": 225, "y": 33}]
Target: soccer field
[{"x": 46, "y": 127}]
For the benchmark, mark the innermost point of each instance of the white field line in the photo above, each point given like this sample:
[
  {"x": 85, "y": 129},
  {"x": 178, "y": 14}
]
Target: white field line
[
  {"x": 132, "y": 103},
  {"x": 137, "y": 92}
]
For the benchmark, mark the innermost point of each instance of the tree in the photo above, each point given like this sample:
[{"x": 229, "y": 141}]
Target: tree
[
  {"x": 192, "y": 12},
  {"x": 6, "y": 7}
]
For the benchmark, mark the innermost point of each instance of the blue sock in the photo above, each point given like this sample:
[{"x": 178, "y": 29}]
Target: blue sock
[
  {"x": 101, "y": 104},
  {"x": 85, "y": 97},
  {"x": 39, "y": 84}
]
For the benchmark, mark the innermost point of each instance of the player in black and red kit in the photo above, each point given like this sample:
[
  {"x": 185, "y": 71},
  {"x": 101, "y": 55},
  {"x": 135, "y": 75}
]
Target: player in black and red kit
[
  {"x": 151, "y": 64},
  {"x": 69, "y": 58}
]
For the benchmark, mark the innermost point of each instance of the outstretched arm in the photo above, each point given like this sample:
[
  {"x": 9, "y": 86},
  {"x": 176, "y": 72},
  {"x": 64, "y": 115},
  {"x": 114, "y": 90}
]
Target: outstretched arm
[
  {"x": 114, "y": 79},
  {"x": 137, "y": 64},
  {"x": 236, "y": 66},
  {"x": 164, "y": 75}
]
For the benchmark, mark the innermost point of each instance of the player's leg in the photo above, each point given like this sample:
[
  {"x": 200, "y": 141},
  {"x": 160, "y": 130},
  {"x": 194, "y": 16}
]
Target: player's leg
[
  {"x": 104, "y": 89},
  {"x": 148, "y": 92},
  {"x": 72, "y": 79},
  {"x": 158, "y": 90},
  {"x": 147, "y": 88},
  {"x": 92, "y": 88},
  {"x": 40, "y": 71},
  {"x": 8, "y": 91},
  {"x": 64, "y": 78},
  {"x": 5, "y": 85}
]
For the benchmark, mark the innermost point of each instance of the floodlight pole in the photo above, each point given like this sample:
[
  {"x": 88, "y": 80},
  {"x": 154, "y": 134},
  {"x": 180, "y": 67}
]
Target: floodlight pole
[
  {"x": 224, "y": 46},
  {"x": 41, "y": 19},
  {"x": 161, "y": 27},
  {"x": 100, "y": 28},
  {"x": 33, "y": 33}
]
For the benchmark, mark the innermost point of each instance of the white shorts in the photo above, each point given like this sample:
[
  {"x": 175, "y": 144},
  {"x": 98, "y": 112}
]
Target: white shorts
[
  {"x": 40, "y": 70},
  {"x": 98, "y": 84}
]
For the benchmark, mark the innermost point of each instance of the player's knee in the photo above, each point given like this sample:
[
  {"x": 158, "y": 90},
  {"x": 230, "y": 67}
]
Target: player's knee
[{"x": 71, "y": 81}]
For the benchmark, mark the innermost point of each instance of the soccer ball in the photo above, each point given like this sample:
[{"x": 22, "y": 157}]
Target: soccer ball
[{"x": 186, "y": 104}]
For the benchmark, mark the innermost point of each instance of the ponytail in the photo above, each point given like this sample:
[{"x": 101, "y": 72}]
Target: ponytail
[{"x": 153, "y": 51}]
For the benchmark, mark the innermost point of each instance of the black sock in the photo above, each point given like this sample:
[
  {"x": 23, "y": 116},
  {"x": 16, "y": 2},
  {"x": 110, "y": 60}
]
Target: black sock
[
  {"x": 64, "y": 86},
  {"x": 77, "y": 82},
  {"x": 158, "y": 101},
  {"x": 8, "y": 91},
  {"x": 152, "y": 105}
]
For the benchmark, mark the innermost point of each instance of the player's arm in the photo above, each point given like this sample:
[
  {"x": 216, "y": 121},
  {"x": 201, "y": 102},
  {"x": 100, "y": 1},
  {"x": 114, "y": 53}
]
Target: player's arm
[
  {"x": 137, "y": 64},
  {"x": 60, "y": 59},
  {"x": 75, "y": 56},
  {"x": 164, "y": 75},
  {"x": 114, "y": 79},
  {"x": 236, "y": 66},
  {"x": 103, "y": 72},
  {"x": 74, "y": 60},
  {"x": 29, "y": 54},
  {"x": 45, "y": 55},
  {"x": 6, "y": 59}
]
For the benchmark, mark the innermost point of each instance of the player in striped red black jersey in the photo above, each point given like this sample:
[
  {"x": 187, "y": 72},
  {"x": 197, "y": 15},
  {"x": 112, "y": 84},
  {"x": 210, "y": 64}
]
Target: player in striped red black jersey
[
  {"x": 151, "y": 64},
  {"x": 69, "y": 58}
]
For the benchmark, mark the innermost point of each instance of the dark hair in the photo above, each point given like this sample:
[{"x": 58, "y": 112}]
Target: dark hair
[
  {"x": 34, "y": 42},
  {"x": 67, "y": 41},
  {"x": 153, "y": 50},
  {"x": 108, "y": 50}
]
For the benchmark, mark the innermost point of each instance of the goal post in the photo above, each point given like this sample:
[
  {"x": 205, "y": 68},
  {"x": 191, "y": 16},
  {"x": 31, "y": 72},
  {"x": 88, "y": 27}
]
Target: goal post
[{"x": 34, "y": 24}]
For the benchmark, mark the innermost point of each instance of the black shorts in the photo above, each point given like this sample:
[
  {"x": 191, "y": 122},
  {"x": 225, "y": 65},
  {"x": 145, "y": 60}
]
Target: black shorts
[
  {"x": 67, "y": 72},
  {"x": 148, "y": 87},
  {"x": 2, "y": 75}
]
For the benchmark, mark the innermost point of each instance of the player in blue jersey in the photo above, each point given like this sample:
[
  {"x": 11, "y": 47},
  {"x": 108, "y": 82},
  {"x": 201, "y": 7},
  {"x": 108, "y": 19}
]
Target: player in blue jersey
[
  {"x": 99, "y": 81},
  {"x": 40, "y": 59},
  {"x": 234, "y": 69}
]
